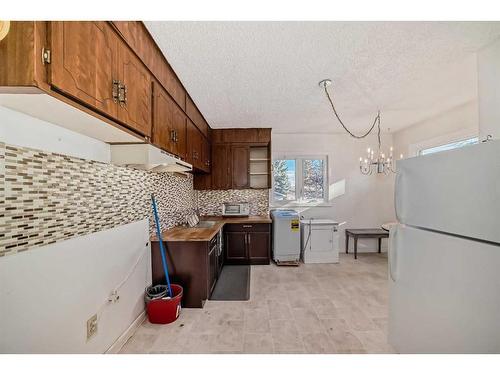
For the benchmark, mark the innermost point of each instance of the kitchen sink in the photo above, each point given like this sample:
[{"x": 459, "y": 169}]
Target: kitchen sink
[{"x": 205, "y": 224}]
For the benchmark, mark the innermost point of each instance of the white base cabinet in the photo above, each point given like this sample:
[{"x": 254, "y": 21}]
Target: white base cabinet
[{"x": 320, "y": 241}]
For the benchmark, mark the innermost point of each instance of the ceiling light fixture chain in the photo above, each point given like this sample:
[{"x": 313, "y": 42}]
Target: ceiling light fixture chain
[
  {"x": 380, "y": 163},
  {"x": 325, "y": 84}
]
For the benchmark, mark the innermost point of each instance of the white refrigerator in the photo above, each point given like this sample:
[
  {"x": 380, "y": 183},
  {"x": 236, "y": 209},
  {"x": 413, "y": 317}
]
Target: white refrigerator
[{"x": 444, "y": 255}]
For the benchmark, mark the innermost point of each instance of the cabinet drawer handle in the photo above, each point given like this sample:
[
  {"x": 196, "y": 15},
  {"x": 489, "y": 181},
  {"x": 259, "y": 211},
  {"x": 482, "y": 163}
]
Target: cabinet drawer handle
[
  {"x": 115, "y": 89},
  {"x": 122, "y": 93},
  {"x": 247, "y": 226}
]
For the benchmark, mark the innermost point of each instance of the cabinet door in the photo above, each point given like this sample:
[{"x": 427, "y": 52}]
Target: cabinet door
[
  {"x": 206, "y": 158},
  {"x": 136, "y": 111},
  {"x": 258, "y": 247},
  {"x": 180, "y": 132},
  {"x": 212, "y": 274},
  {"x": 163, "y": 125},
  {"x": 84, "y": 62},
  {"x": 221, "y": 166},
  {"x": 194, "y": 147},
  {"x": 235, "y": 243},
  {"x": 220, "y": 263},
  {"x": 241, "y": 167},
  {"x": 322, "y": 239}
]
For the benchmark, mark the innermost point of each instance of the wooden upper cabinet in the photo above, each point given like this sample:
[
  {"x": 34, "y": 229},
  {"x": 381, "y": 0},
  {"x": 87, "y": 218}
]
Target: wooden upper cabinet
[
  {"x": 20, "y": 55},
  {"x": 135, "y": 110},
  {"x": 240, "y": 166},
  {"x": 195, "y": 116},
  {"x": 169, "y": 123},
  {"x": 221, "y": 166},
  {"x": 163, "y": 124},
  {"x": 194, "y": 146},
  {"x": 139, "y": 39},
  {"x": 191, "y": 143},
  {"x": 206, "y": 154},
  {"x": 249, "y": 135},
  {"x": 107, "y": 69},
  {"x": 180, "y": 133},
  {"x": 84, "y": 62}
]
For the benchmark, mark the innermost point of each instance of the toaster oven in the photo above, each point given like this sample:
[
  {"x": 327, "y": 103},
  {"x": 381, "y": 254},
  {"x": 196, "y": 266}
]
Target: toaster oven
[{"x": 236, "y": 209}]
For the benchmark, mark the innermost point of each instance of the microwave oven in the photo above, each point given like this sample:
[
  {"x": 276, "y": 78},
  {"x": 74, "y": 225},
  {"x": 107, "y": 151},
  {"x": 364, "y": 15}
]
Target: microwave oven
[{"x": 236, "y": 209}]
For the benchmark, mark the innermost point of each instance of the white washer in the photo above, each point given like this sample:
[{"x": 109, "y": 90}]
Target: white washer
[
  {"x": 320, "y": 241},
  {"x": 286, "y": 236}
]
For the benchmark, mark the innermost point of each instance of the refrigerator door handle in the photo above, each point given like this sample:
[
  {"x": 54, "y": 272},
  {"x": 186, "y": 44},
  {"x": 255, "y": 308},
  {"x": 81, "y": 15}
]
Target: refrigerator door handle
[
  {"x": 392, "y": 252},
  {"x": 397, "y": 187}
]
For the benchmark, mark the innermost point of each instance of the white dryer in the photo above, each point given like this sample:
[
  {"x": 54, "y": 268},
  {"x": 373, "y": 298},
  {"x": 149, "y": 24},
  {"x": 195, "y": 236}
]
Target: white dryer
[{"x": 320, "y": 241}]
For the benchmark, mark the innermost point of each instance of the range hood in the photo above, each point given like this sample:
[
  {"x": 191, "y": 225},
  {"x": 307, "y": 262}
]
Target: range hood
[{"x": 147, "y": 157}]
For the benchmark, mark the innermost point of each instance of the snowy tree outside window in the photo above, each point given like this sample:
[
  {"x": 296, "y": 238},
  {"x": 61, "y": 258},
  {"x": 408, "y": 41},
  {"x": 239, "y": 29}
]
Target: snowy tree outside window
[{"x": 300, "y": 180}]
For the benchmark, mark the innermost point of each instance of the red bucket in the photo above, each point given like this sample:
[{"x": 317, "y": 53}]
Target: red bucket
[{"x": 163, "y": 311}]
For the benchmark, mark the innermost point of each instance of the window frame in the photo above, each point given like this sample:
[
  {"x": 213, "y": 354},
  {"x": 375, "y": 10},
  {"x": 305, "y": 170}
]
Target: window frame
[
  {"x": 423, "y": 149},
  {"x": 299, "y": 180},
  {"x": 414, "y": 148}
]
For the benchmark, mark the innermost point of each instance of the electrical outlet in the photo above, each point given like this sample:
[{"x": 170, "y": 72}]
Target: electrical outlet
[{"x": 91, "y": 327}]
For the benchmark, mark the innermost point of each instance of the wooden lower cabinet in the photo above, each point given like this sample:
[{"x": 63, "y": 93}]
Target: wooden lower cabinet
[
  {"x": 188, "y": 265},
  {"x": 213, "y": 270},
  {"x": 247, "y": 243},
  {"x": 236, "y": 247},
  {"x": 195, "y": 265},
  {"x": 258, "y": 247}
]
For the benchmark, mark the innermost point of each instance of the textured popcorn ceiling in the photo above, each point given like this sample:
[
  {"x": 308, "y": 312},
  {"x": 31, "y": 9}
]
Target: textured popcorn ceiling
[{"x": 265, "y": 74}]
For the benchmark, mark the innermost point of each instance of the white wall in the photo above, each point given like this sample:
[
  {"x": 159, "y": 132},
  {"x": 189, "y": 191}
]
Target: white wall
[
  {"x": 358, "y": 200},
  {"x": 47, "y": 294},
  {"x": 488, "y": 65},
  {"x": 455, "y": 124},
  {"x": 19, "y": 129}
]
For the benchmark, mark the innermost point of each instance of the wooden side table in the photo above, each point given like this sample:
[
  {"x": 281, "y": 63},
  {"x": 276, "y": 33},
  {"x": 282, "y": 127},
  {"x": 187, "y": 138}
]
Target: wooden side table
[{"x": 364, "y": 233}]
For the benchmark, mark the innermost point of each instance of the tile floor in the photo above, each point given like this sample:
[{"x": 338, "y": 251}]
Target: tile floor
[{"x": 323, "y": 308}]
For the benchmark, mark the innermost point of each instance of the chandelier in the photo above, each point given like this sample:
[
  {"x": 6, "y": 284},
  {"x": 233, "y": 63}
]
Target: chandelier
[{"x": 373, "y": 162}]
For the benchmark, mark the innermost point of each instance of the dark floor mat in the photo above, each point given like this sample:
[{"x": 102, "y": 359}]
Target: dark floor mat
[{"x": 233, "y": 284}]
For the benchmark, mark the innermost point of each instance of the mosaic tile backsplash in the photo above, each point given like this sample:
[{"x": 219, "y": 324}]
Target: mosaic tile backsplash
[
  {"x": 210, "y": 201},
  {"x": 47, "y": 197}
]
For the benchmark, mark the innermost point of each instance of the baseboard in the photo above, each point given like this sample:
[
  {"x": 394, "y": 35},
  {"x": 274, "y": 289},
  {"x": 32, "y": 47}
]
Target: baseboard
[{"x": 118, "y": 344}]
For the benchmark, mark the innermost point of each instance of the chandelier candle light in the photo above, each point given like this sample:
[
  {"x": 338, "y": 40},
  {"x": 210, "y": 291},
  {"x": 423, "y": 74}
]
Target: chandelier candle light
[{"x": 378, "y": 163}]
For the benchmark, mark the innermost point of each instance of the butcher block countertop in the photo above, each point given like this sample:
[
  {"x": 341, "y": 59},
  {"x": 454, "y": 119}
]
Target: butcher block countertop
[{"x": 206, "y": 234}]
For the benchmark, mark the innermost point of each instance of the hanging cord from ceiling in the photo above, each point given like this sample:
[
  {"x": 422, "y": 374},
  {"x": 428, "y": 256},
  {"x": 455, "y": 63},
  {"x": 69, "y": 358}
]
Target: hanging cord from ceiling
[{"x": 325, "y": 83}]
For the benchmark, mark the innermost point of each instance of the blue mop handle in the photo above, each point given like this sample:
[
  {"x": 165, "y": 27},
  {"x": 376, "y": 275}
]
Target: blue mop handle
[{"x": 162, "y": 248}]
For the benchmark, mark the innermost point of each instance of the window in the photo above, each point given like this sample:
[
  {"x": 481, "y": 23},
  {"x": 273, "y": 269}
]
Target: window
[
  {"x": 449, "y": 146},
  {"x": 301, "y": 180}
]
